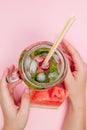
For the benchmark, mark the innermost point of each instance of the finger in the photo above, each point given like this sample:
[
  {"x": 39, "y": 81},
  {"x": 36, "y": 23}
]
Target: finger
[
  {"x": 69, "y": 58},
  {"x": 63, "y": 49},
  {"x": 11, "y": 69},
  {"x": 66, "y": 53},
  {"x": 69, "y": 75},
  {"x": 4, "y": 93},
  {"x": 77, "y": 60},
  {"x": 12, "y": 98},
  {"x": 11, "y": 86},
  {"x": 13, "y": 72},
  {"x": 24, "y": 107},
  {"x": 71, "y": 64}
]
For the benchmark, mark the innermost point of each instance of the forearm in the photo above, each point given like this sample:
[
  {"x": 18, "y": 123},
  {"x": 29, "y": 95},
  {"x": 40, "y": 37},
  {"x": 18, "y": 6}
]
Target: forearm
[
  {"x": 11, "y": 127},
  {"x": 6, "y": 128},
  {"x": 76, "y": 114}
]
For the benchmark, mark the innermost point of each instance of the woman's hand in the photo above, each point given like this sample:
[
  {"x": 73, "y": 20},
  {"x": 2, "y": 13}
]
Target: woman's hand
[
  {"x": 76, "y": 77},
  {"x": 15, "y": 117},
  {"x": 75, "y": 82}
]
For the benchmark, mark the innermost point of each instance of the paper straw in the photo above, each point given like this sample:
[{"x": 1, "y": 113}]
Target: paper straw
[{"x": 60, "y": 38}]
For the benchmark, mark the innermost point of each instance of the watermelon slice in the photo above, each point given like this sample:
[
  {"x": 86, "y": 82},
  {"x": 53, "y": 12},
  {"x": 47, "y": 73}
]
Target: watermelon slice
[{"x": 52, "y": 97}]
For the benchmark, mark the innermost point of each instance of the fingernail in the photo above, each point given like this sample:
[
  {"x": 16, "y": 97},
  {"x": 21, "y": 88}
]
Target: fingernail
[{"x": 27, "y": 91}]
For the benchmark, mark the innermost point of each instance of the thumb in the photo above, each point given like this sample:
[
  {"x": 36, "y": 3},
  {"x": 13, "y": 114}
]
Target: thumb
[{"x": 25, "y": 103}]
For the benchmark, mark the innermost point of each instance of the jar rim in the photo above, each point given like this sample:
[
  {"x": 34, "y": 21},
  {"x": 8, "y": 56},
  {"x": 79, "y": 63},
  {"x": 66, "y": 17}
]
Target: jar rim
[{"x": 63, "y": 72}]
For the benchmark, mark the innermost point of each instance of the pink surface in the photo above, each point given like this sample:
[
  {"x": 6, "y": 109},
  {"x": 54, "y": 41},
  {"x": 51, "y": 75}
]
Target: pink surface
[{"x": 23, "y": 22}]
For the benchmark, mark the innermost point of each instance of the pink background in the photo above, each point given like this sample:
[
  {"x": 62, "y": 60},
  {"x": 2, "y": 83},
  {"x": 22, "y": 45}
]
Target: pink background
[{"x": 23, "y": 22}]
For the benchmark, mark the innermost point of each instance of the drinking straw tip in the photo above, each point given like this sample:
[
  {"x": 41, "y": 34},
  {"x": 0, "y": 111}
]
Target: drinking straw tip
[{"x": 73, "y": 16}]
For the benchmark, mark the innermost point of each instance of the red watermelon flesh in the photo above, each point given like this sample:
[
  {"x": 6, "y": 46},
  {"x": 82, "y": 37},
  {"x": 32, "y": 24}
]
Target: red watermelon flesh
[{"x": 49, "y": 97}]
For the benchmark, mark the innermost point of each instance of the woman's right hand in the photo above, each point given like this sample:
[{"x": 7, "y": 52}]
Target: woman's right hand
[{"x": 76, "y": 79}]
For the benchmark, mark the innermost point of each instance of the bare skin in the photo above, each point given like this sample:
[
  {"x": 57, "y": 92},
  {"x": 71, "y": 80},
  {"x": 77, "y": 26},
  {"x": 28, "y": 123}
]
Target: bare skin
[
  {"x": 75, "y": 82},
  {"x": 16, "y": 116}
]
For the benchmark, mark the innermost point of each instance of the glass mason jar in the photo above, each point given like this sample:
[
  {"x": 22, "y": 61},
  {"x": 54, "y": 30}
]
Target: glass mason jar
[{"x": 45, "y": 83}]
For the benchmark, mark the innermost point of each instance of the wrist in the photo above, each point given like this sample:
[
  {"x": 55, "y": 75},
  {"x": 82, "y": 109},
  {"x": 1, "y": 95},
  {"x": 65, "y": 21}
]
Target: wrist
[
  {"x": 78, "y": 96},
  {"x": 78, "y": 102},
  {"x": 9, "y": 128}
]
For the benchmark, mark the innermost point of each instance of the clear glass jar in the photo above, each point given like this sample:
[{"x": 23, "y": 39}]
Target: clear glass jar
[
  {"x": 27, "y": 78},
  {"x": 43, "y": 94}
]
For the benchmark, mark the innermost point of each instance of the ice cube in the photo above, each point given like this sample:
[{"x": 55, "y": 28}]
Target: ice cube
[
  {"x": 56, "y": 57},
  {"x": 27, "y": 62},
  {"x": 33, "y": 66},
  {"x": 28, "y": 74},
  {"x": 41, "y": 77},
  {"x": 52, "y": 75}
]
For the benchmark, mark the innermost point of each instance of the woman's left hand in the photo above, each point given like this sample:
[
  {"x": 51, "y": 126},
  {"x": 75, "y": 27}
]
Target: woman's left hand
[{"x": 15, "y": 117}]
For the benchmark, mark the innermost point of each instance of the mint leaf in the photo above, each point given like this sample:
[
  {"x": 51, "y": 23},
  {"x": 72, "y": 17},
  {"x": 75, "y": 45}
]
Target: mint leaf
[
  {"x": 33, "y": 75},
  {"x": 53, "y": 65},
  {"x": 40, "y": 51}
]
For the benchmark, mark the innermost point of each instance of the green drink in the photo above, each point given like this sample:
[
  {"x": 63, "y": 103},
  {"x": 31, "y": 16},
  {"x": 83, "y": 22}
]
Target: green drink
[{"x": 34, "y": 73}]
